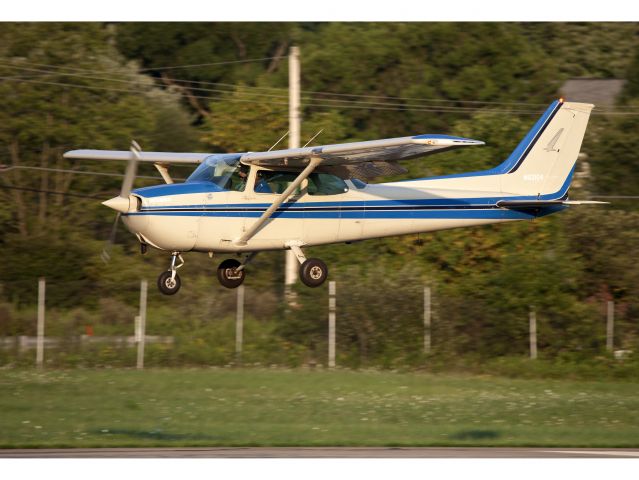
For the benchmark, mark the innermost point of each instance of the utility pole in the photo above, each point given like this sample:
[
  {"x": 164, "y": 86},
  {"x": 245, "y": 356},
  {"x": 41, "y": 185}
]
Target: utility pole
[
  {"x": 610, "y": 325},
  {"x": 141, "y": 324},
  {"x": 40, "y": 328},
  {"x": 331, "y": 324},
  {"x": 239, "y": 324},
  {"x": 427, "y": 320},
  {"x": 294, "y": 122},
  {"x": 533, "y": 333}
]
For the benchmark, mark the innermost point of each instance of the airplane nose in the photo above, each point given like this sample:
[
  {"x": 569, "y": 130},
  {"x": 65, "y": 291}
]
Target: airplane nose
[{"x": 119, "y": 204}]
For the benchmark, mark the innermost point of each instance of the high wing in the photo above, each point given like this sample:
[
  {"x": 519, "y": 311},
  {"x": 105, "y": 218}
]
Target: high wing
[
  {"x": 367, "y": 159},
  {"x": 386, "y": 150},
  {"x": 155, "y": 157}
]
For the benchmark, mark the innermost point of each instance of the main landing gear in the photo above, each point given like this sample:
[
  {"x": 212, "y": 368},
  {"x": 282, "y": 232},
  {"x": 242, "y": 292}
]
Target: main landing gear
[
  {"x": 313, "y": 272},
  {"x": 231, "y": 272},
  {"x": 169, "y": 282}
]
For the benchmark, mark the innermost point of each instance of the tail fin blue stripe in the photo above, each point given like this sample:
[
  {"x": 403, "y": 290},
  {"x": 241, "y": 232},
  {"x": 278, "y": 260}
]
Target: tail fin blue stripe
[
  {"x": 519, "y": 154},
  {"x": 517, "y": 157}
]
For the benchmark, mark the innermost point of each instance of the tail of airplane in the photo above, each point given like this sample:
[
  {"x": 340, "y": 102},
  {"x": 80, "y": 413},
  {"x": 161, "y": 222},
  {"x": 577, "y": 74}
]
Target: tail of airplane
[{"x": 543, "y": 163}]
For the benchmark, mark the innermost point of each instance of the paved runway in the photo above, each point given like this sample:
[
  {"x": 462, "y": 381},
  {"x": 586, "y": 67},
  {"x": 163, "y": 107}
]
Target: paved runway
[{"x": 322, "y": 452}]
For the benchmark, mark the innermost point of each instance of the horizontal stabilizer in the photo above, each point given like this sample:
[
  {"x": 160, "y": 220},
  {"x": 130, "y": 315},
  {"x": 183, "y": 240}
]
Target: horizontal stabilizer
[{"x": 516, "y": 204}]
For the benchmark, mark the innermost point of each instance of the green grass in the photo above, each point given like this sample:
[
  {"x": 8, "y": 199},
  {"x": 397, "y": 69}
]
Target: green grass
[{"x": 226, "y": 407}]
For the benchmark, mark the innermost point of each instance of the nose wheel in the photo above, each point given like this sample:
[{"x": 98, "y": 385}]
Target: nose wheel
[
  {"x": 169, "y": 285},
  {"x": 169, "y": 282}
]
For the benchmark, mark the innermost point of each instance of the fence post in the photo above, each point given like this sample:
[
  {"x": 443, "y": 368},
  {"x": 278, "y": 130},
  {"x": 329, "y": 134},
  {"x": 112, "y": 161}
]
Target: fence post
[
  {"x": 331, "y": 324},
  {"x": 40, "y": 338},
  {"x": 239, "y": 324},
  {"x": 427, "y": 319},
  {"x": 533, "y": 333},
  {"x": 141, "y": 331},
  {"x": 610, "y": 325}
]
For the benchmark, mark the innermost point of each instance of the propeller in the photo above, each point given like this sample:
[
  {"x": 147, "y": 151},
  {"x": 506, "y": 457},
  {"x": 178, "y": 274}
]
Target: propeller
[{"x": 121, "y": 202}]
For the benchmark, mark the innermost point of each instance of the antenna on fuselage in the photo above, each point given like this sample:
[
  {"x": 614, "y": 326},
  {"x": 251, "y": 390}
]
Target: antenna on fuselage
[
  {"x": 282, "y": 138},
  {"x": 313, "y": 137}
]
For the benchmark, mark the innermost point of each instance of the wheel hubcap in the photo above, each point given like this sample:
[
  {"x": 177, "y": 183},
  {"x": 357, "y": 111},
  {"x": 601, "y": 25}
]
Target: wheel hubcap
[
  {"x": 232, "y": 274},
  {"x": 316, "y": 273},
  {"x": 170, "y": 283}
]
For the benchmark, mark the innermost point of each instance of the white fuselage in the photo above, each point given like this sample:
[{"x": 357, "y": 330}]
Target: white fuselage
[{"x": 213, "y": 221}]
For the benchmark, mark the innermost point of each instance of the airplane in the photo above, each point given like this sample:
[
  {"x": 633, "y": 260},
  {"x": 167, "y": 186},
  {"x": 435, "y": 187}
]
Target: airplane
[{"x": 245, "y": 203}]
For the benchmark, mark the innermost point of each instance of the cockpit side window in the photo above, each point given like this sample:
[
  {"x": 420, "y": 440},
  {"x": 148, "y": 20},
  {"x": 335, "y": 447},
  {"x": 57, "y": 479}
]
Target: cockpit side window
[
  {"x": 274, "y": 181},
  {"x": 224, "y": 170},
  {"x": 318, "y": 183}
]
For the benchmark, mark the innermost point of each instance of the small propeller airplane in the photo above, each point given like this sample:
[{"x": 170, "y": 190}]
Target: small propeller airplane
[{"x": 245, "y": 203}]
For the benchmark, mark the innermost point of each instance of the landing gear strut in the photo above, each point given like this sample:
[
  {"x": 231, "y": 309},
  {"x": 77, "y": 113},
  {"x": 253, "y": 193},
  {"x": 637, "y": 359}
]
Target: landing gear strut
[
  {"x": 313, "y": 272},
  {"x": 169, "y": 282}
]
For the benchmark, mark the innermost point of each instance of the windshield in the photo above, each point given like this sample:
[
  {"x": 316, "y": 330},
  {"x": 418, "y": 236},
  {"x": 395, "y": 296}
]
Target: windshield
[{"x": 224, "y": 170}]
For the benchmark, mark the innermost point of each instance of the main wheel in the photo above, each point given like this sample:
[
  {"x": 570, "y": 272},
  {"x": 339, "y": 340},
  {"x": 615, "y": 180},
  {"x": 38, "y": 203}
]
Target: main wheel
[
  {"x": 228, "y": 275},
  {"x": 313, "y": 272},
  {"x": 168, "y": 285}
]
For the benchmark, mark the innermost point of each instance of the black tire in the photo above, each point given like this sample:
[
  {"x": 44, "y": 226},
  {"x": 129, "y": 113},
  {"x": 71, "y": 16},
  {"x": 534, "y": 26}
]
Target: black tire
[
  {"x": 166, "y": 286},
  {"x": 313, "y": 272},
  {"x": 228, "y": 276}
]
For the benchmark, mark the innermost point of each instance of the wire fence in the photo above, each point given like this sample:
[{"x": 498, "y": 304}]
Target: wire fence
[{"x": 245, "y": 326}]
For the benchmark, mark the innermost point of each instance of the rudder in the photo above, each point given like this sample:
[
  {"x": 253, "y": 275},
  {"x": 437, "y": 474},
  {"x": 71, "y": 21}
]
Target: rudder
[{"x": 543, "y": 162}]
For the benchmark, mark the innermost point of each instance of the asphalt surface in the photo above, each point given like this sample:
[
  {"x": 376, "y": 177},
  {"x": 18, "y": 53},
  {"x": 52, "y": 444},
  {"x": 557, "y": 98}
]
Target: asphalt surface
[{"x": 322, "y": 452}]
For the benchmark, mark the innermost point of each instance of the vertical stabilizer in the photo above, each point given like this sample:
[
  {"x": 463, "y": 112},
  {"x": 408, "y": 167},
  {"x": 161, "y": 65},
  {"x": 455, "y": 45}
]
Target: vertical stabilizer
[{"x": 542, "y": 164}]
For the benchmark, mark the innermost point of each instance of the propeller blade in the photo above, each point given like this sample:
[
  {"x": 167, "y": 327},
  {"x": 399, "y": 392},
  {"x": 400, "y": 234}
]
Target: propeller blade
[
  {"x": 127, "y": 185},
  {"x": 106, "y": 251},
  {"x": 131, "y": 169}
]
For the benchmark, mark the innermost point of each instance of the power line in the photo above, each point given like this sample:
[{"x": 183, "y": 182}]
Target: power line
[
  {"x": 285, "y": 90},
  {"x": 52, "y": 192},
  {"x": 620, "y": 197},
  {"x": 319, "y": 105},
  {"x": 81, "y": 172},
  {"x": 629, "y": 110},
  {"x": 199, "y": 65},
  {"x": 336, "y": 104}
]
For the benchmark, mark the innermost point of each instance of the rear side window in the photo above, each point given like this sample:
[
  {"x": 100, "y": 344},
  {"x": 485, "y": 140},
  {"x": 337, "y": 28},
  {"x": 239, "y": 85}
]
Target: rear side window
[
  {"x": 358, "y": 183},
  {"x": 325, "y": 184}
]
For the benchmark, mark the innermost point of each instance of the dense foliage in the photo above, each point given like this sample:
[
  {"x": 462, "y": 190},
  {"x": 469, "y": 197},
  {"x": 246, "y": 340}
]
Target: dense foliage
[{"x": 97, "y": 86}]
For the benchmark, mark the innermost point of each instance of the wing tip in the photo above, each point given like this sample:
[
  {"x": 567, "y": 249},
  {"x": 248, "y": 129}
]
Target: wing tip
[{"x": 446, "y": 140}]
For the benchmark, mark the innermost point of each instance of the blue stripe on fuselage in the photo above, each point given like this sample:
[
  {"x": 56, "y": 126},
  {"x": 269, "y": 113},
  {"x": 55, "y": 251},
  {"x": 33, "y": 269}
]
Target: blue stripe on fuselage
[{"x": 369, "y": 205}]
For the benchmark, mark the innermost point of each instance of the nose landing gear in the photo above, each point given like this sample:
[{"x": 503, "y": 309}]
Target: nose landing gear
[{"x": 169, "y": 282}]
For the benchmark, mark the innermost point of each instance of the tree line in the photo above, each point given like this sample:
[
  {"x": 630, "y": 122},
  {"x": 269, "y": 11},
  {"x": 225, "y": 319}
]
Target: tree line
[{"x": 222, "y": 87}]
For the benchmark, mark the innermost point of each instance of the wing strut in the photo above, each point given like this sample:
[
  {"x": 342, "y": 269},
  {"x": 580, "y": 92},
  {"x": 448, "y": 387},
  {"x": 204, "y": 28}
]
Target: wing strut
[
  {"x": 164, "y": 171},
  {"x": 314, "y": 162}
]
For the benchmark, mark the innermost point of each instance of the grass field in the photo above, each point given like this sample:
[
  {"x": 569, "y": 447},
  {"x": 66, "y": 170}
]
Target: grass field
[{"x": 226, "y": 407}]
